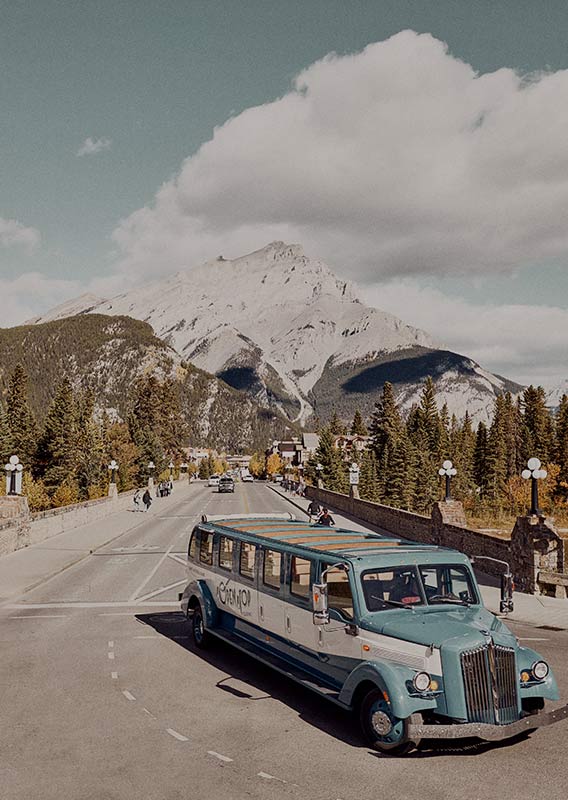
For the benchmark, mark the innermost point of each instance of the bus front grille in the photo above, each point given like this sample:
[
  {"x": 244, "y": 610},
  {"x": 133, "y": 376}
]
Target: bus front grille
[{"x": 490, "y": 684}]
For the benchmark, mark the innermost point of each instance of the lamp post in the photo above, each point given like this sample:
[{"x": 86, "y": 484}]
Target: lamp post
[
  {"x": 13, "y": 476},
  {"x": 183, "y": 469},
  {"x": 354, "y": 480},
  {"x": 151, "y": 468},
  {"x": 319, "y": 470},
  {"x": 449, "y": 471},
  {"x": 535, "y": 473},
  {"x": 112, "y": 490},
  {"x": 171, "y": 466}
]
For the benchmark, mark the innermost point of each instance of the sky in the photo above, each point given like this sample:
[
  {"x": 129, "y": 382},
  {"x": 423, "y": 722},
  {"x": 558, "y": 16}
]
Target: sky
[{"x": 419, "y": 148}]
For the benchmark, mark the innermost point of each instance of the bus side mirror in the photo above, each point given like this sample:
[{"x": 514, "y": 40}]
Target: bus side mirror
[
  {"x": 319, "y": 604},
  {"x": 506, "y": 605}
]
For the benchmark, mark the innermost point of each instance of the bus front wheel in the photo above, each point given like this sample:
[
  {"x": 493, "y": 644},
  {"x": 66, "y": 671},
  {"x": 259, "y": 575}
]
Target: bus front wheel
[
  {"x": 384, "y": 732},
  {"x": 200, "y": 636}
]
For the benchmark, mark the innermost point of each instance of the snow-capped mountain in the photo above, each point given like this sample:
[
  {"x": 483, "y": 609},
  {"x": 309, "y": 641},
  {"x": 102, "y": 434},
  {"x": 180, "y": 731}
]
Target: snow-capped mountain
[
  {"x": 555, "y": 395},
  {"x": 283, "y": 327}
]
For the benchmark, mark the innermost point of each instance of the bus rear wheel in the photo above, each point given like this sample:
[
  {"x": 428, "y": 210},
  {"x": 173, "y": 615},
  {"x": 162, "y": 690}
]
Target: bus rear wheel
[
  {"x": 200, "y": 636},
  {"x": 384, "y": 732}
]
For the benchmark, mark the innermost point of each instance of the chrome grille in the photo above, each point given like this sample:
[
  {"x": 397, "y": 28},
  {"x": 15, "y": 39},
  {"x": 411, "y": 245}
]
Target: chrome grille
[{"x": 490, "y": 684}]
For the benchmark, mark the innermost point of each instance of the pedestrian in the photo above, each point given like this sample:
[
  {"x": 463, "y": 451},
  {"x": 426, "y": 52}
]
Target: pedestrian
[
  {"x": 146, "y": 499},
  {"x": 136, "y": 500},
  {"x": 314, "y": 510},
  {"x": 325, "y": 518}
]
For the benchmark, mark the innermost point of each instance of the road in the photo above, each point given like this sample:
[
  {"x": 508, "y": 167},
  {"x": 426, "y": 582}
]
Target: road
[{"x": 104, "y": 698}]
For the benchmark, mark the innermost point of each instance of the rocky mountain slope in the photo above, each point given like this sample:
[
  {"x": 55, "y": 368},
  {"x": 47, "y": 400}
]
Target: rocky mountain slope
[
  {"x": 107, "y": 354},
  {"x": 284, "y": 328}
]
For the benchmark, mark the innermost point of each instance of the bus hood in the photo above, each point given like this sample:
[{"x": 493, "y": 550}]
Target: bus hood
[{"x": 464, "y": 627}]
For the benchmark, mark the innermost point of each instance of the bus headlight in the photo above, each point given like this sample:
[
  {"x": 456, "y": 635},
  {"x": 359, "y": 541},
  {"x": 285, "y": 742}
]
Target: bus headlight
[
  {"x": 540, "y": 670},
  {"x": 421, "y": 681}
]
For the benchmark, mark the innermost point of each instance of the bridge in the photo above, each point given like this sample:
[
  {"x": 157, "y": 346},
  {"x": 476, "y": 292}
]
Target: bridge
[{"x": 103, "y": 695}]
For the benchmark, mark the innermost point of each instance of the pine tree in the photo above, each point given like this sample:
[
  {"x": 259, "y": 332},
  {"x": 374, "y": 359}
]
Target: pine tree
[
  {"x": 539, "y": 433},
  {"x": 496, "y": 456},
  {"x": 6, "y": 446},
  {"x": 21, "y": 421},
  {"x": 57, "y": 446},
  {"x": 561, "y": 446},
  {"x": 334, "y": 472},
  {"x": 480, "y": 465},
  {"x": 90, "y": 466},
  {"x": 358, "y": 427},
  {"x": 368, "y": 478},
  {"x": 336, "y": 426}
]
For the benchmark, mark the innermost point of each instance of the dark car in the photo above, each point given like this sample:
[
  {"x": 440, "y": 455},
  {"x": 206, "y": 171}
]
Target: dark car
[{"x": 226, "y": 484}]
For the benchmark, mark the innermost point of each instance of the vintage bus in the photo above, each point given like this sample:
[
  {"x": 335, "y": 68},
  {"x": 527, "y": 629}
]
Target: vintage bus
[{"x": 394, "y": 630}]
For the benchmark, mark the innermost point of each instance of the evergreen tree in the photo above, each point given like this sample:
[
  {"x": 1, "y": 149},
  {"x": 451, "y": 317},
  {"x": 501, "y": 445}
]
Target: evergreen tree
[
  {"x": 6, "y": 446},
  {"x": 358, "y": 427},
  {"x": 561, "y": 446},
  {"x": 90, "y": 466},
  {"x": 496, "y": 462},
  {"x": 21, "y": 421},
  {"x": 336, "y": 426},
  {"x": 117, "y": 443},
  {"x": 480, "y": 465},
  {"x": 539, "y": 433},
  {"x": 57, "y": 446},
  {"x": 334, "y": 473},
  {"x": 368, "y": 477}
]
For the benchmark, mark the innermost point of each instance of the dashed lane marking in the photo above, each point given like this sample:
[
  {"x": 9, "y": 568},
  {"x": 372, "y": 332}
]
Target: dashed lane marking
[
  {"x": 177, "y": 735},
  {"x": 128, "y": 695},
  {"x": 220, "y": 756},
  {"x": 111, "y": 655},
  {"x": 268, "y": 777},
  {"x": 153, "y": 636},
  {"x": 110, "y": 645},
  {"x": 114, "y": 676},
  {"x": 149, "y": 713}
]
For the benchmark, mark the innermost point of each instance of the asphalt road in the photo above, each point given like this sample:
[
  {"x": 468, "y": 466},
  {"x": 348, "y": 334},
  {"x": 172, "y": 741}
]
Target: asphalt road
[{"x": 102, "y": 696}]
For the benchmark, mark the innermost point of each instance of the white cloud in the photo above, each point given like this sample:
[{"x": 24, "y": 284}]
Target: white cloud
[
  {"x": 398, "y": 160},
  {"x": 91, "y": 146},
  {"x": 22, "y": 297},
  {"x": 13, "y": 233},
  {"x": 523, "y": 342}
]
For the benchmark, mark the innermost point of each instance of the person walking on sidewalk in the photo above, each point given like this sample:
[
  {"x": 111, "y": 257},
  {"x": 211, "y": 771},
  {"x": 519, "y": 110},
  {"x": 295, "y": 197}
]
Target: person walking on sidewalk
[
  {"x": 136, "y": 500},
  {"x": 314, "y": 510},
  {"x": 146, "y": 499}
]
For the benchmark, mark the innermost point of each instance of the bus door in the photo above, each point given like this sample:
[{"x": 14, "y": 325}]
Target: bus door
[{"x": 337, "y": 648}]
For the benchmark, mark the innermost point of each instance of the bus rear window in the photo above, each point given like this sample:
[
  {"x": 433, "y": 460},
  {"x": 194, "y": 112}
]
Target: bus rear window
[{"x": 193, "y": 545}]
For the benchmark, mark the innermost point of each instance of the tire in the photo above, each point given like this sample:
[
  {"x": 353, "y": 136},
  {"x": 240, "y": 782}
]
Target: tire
[
  {"x": 383, "y": 731},
  {"x": 201, "y": 638}
]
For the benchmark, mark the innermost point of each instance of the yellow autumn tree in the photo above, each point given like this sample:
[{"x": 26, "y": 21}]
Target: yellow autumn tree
[{"x": 274, "y": 464}]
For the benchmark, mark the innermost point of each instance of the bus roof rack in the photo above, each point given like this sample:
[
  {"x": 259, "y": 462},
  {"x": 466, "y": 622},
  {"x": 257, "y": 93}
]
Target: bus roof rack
[{"x": 277, "y": 515}]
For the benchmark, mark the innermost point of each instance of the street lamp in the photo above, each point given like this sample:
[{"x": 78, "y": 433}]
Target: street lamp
[
  {"x": 171, "y": 465},
  {"x": 113, "y": 466},
  {"x": 319, "y": 470},
  {"x": 449, "y": 471},
  {"x": 183, "y": 466},
  {"x": 535, "y": 473},
  {"x": 13, "y": 475}
]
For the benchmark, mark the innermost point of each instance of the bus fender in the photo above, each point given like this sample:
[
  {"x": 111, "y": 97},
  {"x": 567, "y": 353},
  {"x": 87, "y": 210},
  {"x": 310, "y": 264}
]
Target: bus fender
[
  {"x": 199, "y": 591},
  {"x": 392, "y": 680}
]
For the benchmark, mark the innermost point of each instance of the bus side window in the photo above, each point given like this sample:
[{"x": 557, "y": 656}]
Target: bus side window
[
  {"x": 300, "y": 576},
  {"x": 206, "y": 548},
  {"x": 339, "y": 594},
  {"x": 226, "y": 552},
  {"x": 271, "y": 575},
  {"x": 193, "y": 545},
  {"x": 246, "y": 567}
]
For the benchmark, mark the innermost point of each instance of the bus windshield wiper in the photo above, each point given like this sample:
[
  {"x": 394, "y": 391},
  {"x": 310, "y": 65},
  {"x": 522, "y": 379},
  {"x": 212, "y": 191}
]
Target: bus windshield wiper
[{"x": 394, "y": 603}]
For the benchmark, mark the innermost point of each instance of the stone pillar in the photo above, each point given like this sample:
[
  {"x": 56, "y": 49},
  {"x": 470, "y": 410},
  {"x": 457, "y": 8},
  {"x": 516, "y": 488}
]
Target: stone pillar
[
  {"x": 535, "y": 547},
  {"x": 14, "y": 505},
  {"x": 354, "y": 492},
  {"x": 446, "y": 512},
  {"x": 112, "y": 491}
]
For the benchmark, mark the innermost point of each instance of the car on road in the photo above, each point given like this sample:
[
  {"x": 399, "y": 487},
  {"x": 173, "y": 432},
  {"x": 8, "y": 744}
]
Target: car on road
[
  {"x": 213, "y": 480},
  {"x": 226, "y": 484},
  {"x": 392, "y": 629},
  {"x": 247, "y": 477},
  {"x": 278, "y": 478}
]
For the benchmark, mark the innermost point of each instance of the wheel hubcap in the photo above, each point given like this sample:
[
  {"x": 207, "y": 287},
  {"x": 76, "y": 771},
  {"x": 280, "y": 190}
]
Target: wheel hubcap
[{"x": 381, "y": 723}]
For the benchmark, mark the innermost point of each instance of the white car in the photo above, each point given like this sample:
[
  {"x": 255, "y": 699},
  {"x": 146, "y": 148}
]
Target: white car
[
  {"x": 213, "y": 480},
  {"x": 278, "y": 478},
  {"x": 247, "y": 478}
]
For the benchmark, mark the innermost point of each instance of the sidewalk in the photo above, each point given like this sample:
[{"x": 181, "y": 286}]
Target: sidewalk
[
  {"x": 535, "y": 610},
  {"x": 26, "y": 568}
]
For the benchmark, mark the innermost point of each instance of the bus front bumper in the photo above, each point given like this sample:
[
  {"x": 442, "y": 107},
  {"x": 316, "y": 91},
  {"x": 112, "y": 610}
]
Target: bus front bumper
[{"x": 482, "y": 730}]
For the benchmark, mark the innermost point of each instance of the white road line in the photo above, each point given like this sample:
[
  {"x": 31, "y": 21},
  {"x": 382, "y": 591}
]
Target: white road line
[
  {"x": 80, "y": 604},
  {"x": 177, "y": 735},
  {"x": 179, "y": 559},
  {"x": 530, "y": 639},
  {"x": 114, "y": 676},
  {"x": 162, "y": 589},
  {"x": 149, "y": 713},
  {"x": 127, "y": 694},
  {"x": 268, "y": 777},
  {"x": 138, "y": 590},
  {"x": 111, "y": 656},
  {"x": 220, "y": 756},
  {"x": 110, "y": 645},
  {"x": 39, "y": 616}
]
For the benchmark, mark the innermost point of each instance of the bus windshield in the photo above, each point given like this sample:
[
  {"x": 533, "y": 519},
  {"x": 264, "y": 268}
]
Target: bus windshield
[{"x": 408, "y": 586}]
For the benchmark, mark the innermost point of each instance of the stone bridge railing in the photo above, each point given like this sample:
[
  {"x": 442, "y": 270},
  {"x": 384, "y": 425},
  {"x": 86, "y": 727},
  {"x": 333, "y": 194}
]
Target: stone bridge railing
[{"x": 537, "y": 553}]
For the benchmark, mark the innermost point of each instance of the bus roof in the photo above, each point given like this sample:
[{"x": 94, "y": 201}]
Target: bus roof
[{"x": 316, "y": 539}]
